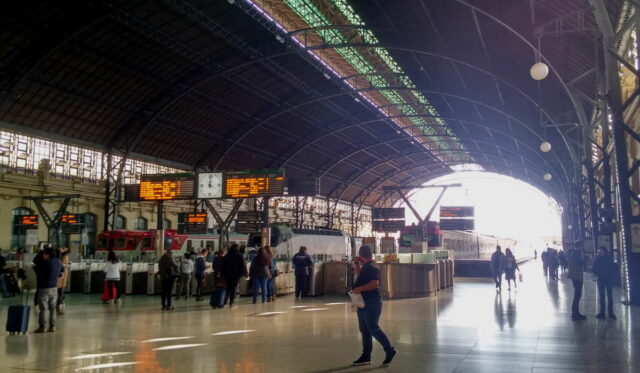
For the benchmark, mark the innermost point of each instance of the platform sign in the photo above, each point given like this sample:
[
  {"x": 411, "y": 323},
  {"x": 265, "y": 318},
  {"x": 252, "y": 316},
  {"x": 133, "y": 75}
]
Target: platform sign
[
  {"x": 387, "y": 213},
  {"x": 26, "y": 221},
  {"x": 303, "y": 187},
  {"x": 166, "y": 187},
  {"x": 250, "y": 216},
  {"x": 457, "y": 211},
  {"x": 255, "y": 183},
  {"x": 248, "y": 227},
  {"x": 388, "y": 225},
  {"x": 193, "y": 222},
  {"x": 70, "y": 223},
  {"x": 457, "y": 224}
]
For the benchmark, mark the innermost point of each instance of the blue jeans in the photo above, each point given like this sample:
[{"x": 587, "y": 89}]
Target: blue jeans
[
  {"x": 368, "y": 318},
  {"x": 271, "y": 287},
  {"x": 260, "y": 284}
]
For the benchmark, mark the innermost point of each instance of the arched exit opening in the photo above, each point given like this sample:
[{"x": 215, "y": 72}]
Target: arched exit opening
[{"x": 503, "y": 207}]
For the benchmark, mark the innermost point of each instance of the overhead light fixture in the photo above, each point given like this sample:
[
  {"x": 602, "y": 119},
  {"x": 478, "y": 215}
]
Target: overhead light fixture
[
  {"x": 231, "y": 1},
  {"x": 280, "y": 39},
  {"x": 7, "y": 144},
  {"x": 547, "y": 176},
  {"x": 569, "y": 226},
  {"x": 7, "y": 153},
  {"x": 22, "y": 156},
  {"x": 356, "y": 99},
  {"x": 539, "y": 70},
  {"x": 545, "y": 147},
  {"x": 327, "y": 76}
]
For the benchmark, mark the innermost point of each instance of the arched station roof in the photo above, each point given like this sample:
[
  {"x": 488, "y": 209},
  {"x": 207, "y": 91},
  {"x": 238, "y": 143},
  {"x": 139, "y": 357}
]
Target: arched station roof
[{"x": 362, "y": 93}]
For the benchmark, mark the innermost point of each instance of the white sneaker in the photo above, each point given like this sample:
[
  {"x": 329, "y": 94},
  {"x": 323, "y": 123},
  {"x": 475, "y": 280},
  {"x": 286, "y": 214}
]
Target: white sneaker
[{"x": 119, "y": 301}]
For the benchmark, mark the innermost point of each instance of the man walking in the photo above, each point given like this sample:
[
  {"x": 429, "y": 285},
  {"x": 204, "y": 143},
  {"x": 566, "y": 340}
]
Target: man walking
[
  {"x": 49, "y": 271},
  {"x": 497, "y": 267},
  {"x": 368, "y": 285},
  {"x": 302, "y": 264},
  {"x": 604, "y": 269}
]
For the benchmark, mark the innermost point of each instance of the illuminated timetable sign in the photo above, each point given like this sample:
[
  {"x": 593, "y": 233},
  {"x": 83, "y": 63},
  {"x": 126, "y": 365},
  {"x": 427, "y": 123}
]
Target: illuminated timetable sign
[
  {"x": 26, "y": 221},
  {"x": 70, "y": 223},
  {"x": 192, "y": 222},
  {"x": 166, "y": 187},
  {"x": 256, "y": 183},
  {"x": 456, "y": 211}
]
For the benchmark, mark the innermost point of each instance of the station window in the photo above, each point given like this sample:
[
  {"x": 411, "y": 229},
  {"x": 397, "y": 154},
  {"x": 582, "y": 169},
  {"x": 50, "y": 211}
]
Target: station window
[
  {"x": 120, "y": 222},
  {"x": 140, "y": 224},
  {"x": 166, "y": 224},
  {"x": 90, "y": 232}
]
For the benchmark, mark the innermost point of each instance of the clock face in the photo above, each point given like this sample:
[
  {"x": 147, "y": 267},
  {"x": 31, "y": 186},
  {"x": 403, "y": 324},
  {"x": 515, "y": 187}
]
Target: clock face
[{"x": 210, "y": 185}]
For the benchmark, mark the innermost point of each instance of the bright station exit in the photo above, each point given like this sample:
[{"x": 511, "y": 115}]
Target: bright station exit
[{"x": 503, "y": 207}]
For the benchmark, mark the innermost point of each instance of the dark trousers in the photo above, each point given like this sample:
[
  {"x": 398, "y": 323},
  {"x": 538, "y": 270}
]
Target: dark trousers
[
  {"x": 60, "y": 296},
  {"x": 605, "y": 291},
  {"x": 114, "y": 287},
  {"x": 301, "y": 285},
  {"x": 368, "y": 318},
  {"x": 199, "y": 281},
  {"x": 497, "y": 277},
  {"x": 167, "y": 289},
  {"x": 232, "y": 286},
  {"x": 545, "y": 269},
  {"x": 577, "y": 294}
]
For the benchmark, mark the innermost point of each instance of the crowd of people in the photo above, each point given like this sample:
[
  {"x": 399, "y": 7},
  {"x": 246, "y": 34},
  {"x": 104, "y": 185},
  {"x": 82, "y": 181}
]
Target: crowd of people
[
  {"x": 228, "y": 269},
  {"x": 572, "y": 263}
]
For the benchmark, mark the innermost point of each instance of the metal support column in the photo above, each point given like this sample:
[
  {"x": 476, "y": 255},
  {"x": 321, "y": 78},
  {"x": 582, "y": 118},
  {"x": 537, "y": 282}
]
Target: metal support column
[
  {"x": 223, "y": 224},
  {"x": 630, "y": 260},
  {"x": 53, "y": 223}
]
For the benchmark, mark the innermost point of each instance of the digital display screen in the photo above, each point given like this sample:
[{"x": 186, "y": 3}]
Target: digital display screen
[
  {"x": 71, "y": 219},
  {"x": 196, "y": 218},
  {"x": 26, "y": 221},
  {"x": 166, "y": 187},
  {"x": 456, "y": 211},
  {"x": 254, "y": 184},
  {"x": 192, "y": 222}
]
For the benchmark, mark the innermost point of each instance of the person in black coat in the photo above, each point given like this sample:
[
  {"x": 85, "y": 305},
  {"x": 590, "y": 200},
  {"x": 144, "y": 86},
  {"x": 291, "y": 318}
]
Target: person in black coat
[
  {"x": 233, "y": 268},
  {"x": 605, "y": 269},
  {"x": 302, "y": 265}
]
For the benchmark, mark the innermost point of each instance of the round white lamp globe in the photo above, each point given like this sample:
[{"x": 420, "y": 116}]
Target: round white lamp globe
[
  {"x": 545, "y": 147},
  {"x": 539, "y": 71},
  {"x": 547, "y": 177},
  {"x": 570, "y": 226}
]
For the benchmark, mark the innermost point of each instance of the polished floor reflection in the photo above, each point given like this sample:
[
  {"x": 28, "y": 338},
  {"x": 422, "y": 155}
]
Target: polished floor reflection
[{"x": 465, "y": 329}]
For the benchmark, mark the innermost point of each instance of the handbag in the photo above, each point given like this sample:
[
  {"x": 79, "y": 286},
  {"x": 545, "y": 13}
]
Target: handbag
[{"x": 356, "y": 301}]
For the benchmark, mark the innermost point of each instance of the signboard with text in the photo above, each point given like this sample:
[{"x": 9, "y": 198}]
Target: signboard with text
[
  {"x": 255, "y": 183},
  {"x": 70, "y": 223},
  {"x": 193, "y": 222},
  {"x": 166, "y": 187},
  {"x": 457, "y": 212},
  {"x": 457, "y": 224}
]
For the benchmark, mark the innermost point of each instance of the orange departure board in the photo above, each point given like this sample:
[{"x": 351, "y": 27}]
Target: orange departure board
[
  {"x": 28, "y": 221},
  {"x": 166, "y": 187},
  {"x": 196, "y": 218},
  {"x": 70, "y": 219},
  {"x": 259, "y": 183}
]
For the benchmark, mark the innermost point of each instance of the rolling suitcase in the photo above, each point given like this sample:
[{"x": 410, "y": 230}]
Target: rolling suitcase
[
  {"x": 18, "y": 318},
  {"x": 217, "y": 297}
]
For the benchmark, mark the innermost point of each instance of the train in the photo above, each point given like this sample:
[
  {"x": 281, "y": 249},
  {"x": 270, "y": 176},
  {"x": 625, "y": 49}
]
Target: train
[
  {"x": 463, "y": 244},
  {"x": 323, "y": 244}
]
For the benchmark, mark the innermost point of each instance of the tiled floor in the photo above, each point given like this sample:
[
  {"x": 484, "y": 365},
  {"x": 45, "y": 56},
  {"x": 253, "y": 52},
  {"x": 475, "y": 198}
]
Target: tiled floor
[{"x": 466, "y": 329}]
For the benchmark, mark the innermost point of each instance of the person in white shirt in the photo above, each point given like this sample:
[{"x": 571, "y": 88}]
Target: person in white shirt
[
  {"x": 186, "y": 271},
  {"x": 113, "y": 277}
]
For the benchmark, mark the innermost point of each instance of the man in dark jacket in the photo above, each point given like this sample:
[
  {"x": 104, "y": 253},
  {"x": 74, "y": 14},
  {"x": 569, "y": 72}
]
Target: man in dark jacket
[
  {"x": 233, "y": 268},
  {"x": 497, "y": 267},
  {"x": 168, "y": 271},
  {"x": 302, "y": 264},
  {"x": 49, "y": 271},
  {"x": 604, "y": 268},
  {"x": 576, "y": 274}
]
